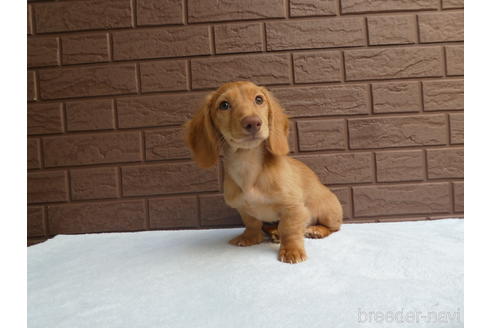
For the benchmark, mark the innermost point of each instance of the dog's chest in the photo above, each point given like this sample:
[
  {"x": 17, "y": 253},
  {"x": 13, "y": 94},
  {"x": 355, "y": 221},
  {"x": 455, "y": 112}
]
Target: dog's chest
[
  {"x": 241, "y": 186},
  {"x": 256, "y": 204}
]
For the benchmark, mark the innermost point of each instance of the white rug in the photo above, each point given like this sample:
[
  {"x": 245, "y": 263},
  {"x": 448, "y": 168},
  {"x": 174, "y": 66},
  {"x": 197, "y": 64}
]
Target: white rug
[{"x": 406, "y": 274}]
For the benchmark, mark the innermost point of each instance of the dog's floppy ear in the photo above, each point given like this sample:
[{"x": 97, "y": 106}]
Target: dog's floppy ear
[
  {"x": 201, "y": 136},
  {"x": 278, "y": 124}
]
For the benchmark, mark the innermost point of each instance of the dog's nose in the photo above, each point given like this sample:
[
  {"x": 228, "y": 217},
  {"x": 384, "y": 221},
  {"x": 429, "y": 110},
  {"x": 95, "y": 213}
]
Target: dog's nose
[{"x": 251, "y": 124}]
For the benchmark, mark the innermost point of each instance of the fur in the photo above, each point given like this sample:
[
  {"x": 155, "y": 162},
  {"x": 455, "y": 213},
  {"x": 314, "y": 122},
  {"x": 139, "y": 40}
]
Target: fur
[{"x": 260, "y": 180}]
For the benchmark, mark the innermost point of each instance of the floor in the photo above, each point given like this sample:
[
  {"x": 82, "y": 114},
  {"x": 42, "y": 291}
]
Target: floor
[{"x": 405, "y": 274}]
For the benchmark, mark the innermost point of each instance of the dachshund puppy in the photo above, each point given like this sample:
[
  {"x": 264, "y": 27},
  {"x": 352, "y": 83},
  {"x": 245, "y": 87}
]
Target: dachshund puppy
[{"x": 260, "y": 180}]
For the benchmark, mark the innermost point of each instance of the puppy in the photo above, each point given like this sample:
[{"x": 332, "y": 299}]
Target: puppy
[{"x": 260, "y": 180}]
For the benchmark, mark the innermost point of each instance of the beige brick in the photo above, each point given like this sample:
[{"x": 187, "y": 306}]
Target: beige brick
[
  {"x": 163, "y": 76},
  {"x": 448, "y": 4},
  {"x": 445, "y": 163},
  {"x": 90, "y": 115},
  {"x": 318, "y": 67},
  {"x": 441, "y": 27},
  {"x": 341, "y": 168},
  {"x": 394, "y": 166},
  {"x": 33, "y": 153},
  {"x": 159, "y": 12},
  {"x": 443, "y": 95},
  {"x": 313, "y": 8},
  {"x": 167, "y": 178},
  {"x": 243, "y": 37},
  {"x": 92, "y": 149},
  {"x": 261, "y": 69},
  {"x": 312, "y": 34},
  {"x": 425, "y": 198},
  {"x": 91, "y": 217},
  {"x": 322, "y": 135},
  {"x": 459, "y": 195},
  {"x": 387, "y": 63},
  {"x": 44, "y": 118},
  {"x": 35, "y": 221},
  {"x": 455, "y": 60},
  {"x": 88, "y": 48},
  {"x": 157, "y": 110},
  {"x": 42, "y": 52},
  {"x": 215, "y": 212},
  {"x": 31, "y": 86},
  {"x": 165, "y": 143},
  {"x": 360, "y": 6},
  {"x": 456, "y": 125},
  {"x": 175, "y": 41},
  {"x": 47, "y": 186},
  {"x": 393, "y": 97},
  {"x": 87, "y": 81},
  {"x": 398, "y": 131},
  {"x": 399, "y": 29},
  {"x": 94, "y": 183},
  {"x": 174, "y": 212},
  {"x": 350, "y": 99},
  {"x": 220, "y": 10},
  {"x": 82, "y": 15}
]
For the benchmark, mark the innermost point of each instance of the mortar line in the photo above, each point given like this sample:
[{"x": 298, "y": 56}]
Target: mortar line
[
  {"x": 138, "y": 79},
  {"x": 343, "y": 71},
  {"x": 147, "y": 215},
  {"x": 133, "y": 9},
  {"x": 269, "y": 19},
  {"x": 120, "y": 182},
  {"x": 46, "y": 221},
  {"x": 263, "y": 37},
  {"x": 218, "y": 192},
  {"x": 64, "y": 118},
  {"x": 265, "y": 41},
  {"x": 185, "y": 12},
  {"x": 243, "y": 54},
  {"x": 445, "y": 61},
  {"x": 292, "y": 69},
  {"x": 199, "y": 211},
  {"x": 115, "y": 114},
  {"x": 366, "y": 30},
  {"x": 188, "y": 74},
  {"x": 211, "y": 30},
  {"x": 33, "y": 20},
  {"x": 109, "y": 38},
  {"x": 59, "y": 51}
]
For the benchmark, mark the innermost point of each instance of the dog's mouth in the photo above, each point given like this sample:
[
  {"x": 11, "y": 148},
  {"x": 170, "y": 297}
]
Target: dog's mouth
[{"x": 248, "y": 141}]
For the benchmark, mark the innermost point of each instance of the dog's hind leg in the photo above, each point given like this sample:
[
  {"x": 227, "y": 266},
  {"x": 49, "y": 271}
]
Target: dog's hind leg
[
  {"x": 328, "y": 213},
  {"x": 271, "y": 229},
  {"x": 317, "y": 231}
]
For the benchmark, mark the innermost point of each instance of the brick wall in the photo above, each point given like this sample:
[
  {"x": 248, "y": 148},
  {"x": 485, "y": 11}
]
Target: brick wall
[{"x": 374, "y": 89}]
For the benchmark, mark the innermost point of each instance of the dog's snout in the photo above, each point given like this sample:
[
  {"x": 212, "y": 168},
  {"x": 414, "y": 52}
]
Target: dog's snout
[{"x": 251, "y": 124}]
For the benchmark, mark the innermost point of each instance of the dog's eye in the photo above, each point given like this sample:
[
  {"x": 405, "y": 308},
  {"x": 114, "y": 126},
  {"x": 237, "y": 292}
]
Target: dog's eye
[
  {"x": 224, "y": 105},
  {"x": 259, "y": 100}
]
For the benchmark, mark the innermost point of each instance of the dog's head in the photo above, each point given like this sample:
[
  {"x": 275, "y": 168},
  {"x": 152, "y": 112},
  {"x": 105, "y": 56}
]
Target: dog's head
[{"x": 241, "y": 114}]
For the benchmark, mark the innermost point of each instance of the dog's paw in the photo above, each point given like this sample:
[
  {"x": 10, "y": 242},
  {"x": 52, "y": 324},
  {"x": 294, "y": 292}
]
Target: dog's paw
[
  {"x": 247, "y": 240},
  {"x": 292, "y": 255},
  {"x": 275, "y": 238},
  {"x": 317, "y": 232}
]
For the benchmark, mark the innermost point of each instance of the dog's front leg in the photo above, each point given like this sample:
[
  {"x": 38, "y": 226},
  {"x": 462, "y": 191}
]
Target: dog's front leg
[
  {"x": 252, "y": 235},
  {"x": 291, "y": 231}
]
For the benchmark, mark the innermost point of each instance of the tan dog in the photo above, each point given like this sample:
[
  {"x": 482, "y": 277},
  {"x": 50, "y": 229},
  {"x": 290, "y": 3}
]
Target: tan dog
[{"x": 260, "y": 180}]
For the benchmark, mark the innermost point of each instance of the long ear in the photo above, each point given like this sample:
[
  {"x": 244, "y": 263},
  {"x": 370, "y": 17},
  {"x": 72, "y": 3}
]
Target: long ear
[
  {"x": 278, "y": 143},
  {"x": 201, "y": 136}
]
